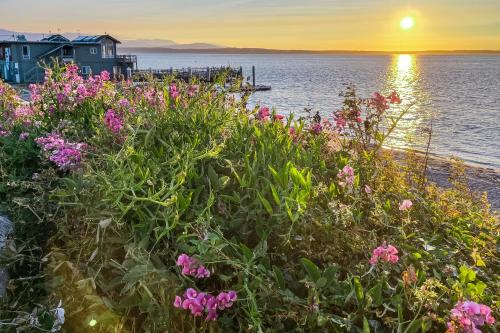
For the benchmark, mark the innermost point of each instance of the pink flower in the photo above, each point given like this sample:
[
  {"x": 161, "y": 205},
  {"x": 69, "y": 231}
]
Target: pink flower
[
  {"x": 385, "y": 253},
  {"x": 405, "y": 205},
  {"x": 191, "y": 267},
  {"x": 177, "y": 302},
  {"x": 105, "y": 76},
  {"x": 340, "y": 121},
  {"x": 263, "y": 114},
  {"x": 199, "y": 303},
  {"x": 394, "y": 98},
  {"x": 174, "y": 92},
  {"x": 113, "y": 121},
  {"x": 379, "y": 102},
  {"x": 346, "y": 176},
  {"x": 124, "y": 103},
  {"x": 81, "y": 90},
  {"x": 192, "y": 90},
  {"x": 316, "y": 128},
  {"x": 66, "y": 155},
  {"x": 279, "y": 117},
  {"x": 368, "y": 189},
  {"x": 23, "y": 136},
  {"x": 469, "y": 316},
  {"x": 4, "y": 133}
]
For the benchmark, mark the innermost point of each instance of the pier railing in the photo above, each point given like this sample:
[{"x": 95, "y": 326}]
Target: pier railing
[{"x": 207, "y": 74}]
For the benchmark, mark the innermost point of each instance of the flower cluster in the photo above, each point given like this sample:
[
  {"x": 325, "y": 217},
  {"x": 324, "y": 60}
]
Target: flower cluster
[
  {"x": 68, "y": 91},
  {"x": 468, "y": 317},
  {"x": 381, "y": 103},
  {"x": 113, "y": 121},
  {"x": 174, "y": 91},
  {"x": 199, "y": 302},
  {"x": 405, "y": 205},
  {"x": 191, "y": 267},
  {"x": 66, "y": 155},
  {"x": 386, "y": 253},
  {"x": 346, "y": 176},
  {"x": 263, "y": 114}
]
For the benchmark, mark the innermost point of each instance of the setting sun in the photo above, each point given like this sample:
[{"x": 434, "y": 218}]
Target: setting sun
[{"x": 407, "y": 23}]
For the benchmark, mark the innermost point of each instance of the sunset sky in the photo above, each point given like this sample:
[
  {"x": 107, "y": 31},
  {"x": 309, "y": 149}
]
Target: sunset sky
[{"x": 277, "y": 24}]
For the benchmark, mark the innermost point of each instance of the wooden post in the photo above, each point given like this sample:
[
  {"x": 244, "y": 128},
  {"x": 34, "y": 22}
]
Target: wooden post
[
  {"x": 208, "y": 74},
  {"x": 253, "y": 76},
  {"x": 190, "y": 72}
]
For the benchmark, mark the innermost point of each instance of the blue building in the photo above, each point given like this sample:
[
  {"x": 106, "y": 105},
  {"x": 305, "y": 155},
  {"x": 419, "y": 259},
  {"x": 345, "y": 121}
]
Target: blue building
[{"x": 23, "y": 61}]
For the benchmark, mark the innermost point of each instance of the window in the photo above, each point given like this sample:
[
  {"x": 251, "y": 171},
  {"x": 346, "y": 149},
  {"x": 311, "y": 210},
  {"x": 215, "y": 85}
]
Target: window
[
  {"x": 67, "y": 52},
  {"x": 86, "y": 70},
  {"x": 26, "y": 52},
  {"x": 108, "y": 49},
  {"x": 93, "y": 50}
]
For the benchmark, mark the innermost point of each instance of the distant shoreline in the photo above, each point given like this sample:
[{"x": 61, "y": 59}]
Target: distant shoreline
[{"x": 233, "y": 50}]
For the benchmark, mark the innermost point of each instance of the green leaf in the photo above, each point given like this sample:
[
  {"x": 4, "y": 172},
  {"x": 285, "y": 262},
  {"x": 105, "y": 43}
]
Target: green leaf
[
  {"x": 358, "y": 288},
  {"x": 276, "y": 197},
  {"x": 330, "y": 273},
  {"x": 321, "y": 282},
  {"x": 366, "y": 325},
  {"x": 376, "y": 293},
  {"x": 311, "y": 268},
  {"x": 278, "y": 274},
  {"x": 214, "y": 179},
  {"x": 265, "y": 203}
]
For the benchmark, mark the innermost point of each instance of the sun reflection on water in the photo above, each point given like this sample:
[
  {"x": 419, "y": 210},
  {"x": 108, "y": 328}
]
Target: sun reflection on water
[{"x": 404, "y": 77}]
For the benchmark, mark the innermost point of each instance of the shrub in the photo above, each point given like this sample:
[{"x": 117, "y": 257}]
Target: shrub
[{"x": 135, "y": 203}]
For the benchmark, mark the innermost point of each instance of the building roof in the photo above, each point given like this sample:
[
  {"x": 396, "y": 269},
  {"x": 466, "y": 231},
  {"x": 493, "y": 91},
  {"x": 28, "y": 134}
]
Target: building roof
[
  {"x": 93, "y": 39},
  {"x": 55, "y": 38}
]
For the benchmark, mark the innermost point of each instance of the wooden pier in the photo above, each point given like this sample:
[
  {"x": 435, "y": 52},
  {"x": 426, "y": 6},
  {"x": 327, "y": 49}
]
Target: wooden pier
[{"x": 205, "y": 74}]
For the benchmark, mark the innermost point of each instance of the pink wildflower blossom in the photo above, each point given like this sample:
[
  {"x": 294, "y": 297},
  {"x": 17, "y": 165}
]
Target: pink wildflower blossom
[
  {"x": 394, "y": 98},
  {"x": 263, "y": 114},
  {"x": 469, "y": 317},
  {"x": 317, "y": 128},
  {"x": 66, "y": 155},
  {"x": 105, "y": 76},
  {"x": 23, "y": 136},
  {"x": 368, "y": 189},
  {"x": 191, "y": 267},
  {"x": 380, "y": 102},
  {"x": 405, "y": 205},
  {"x": 346, "y": 176},
  {"x": 192, "y": 90},
  {"x": 386, "y": 253},
  {"x": 113, "y": 121},
  {"x": 200, "y": 303},
  {"x": 174, "y": 91},
  {"x": 279, "y": 116}
]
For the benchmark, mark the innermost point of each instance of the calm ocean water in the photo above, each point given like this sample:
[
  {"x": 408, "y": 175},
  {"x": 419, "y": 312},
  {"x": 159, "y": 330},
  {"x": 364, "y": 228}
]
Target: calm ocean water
[{"x": 460, "y": 95}]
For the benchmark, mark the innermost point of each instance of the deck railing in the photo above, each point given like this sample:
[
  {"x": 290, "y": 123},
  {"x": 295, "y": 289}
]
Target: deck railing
[{"x": 127, "y": 58}]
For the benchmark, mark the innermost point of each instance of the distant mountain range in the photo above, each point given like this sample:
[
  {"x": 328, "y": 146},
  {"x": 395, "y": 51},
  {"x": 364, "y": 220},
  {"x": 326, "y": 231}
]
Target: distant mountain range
[{"x": 126, "y": 43}]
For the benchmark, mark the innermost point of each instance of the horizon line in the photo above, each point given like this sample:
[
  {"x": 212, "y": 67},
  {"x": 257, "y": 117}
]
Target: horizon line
[{"x": 298, "y": 51}]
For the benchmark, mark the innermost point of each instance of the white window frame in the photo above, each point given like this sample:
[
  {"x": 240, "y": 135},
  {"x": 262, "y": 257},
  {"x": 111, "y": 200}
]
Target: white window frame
[
  {"x": 93, "y": 50},
  {"x": 107, "y": 49},
  {"x": 26, "y": 56},
  {"x": 86, "y": 70}
]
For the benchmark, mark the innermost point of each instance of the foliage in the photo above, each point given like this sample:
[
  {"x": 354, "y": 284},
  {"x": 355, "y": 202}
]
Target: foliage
[{"x": 108, "y": 183}]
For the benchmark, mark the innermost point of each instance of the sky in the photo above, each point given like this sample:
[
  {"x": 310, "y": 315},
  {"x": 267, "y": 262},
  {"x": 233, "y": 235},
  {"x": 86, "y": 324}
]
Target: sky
[{"x": 371, "y": 25}]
